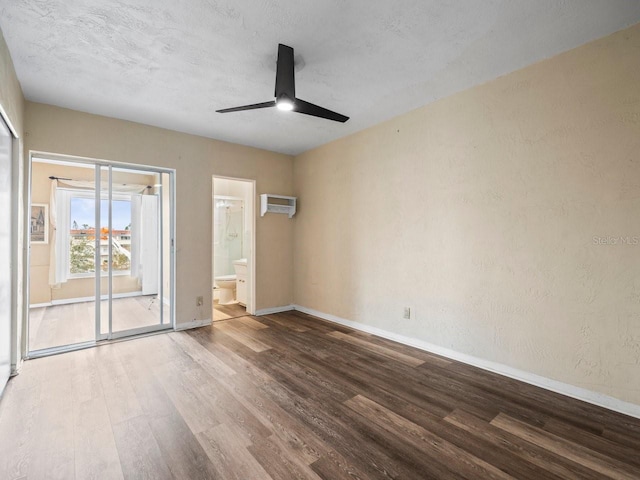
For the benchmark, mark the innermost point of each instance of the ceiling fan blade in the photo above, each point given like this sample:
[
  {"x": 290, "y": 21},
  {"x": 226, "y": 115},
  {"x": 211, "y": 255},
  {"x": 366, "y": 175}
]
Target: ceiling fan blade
[
  {"x": 255, "y": 106},
  {"x": 285, "y": 76},
  {"x": 307, "y": 108}
]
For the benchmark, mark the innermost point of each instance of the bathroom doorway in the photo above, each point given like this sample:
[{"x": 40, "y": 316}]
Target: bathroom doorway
[{"x": 233, "y": 247}]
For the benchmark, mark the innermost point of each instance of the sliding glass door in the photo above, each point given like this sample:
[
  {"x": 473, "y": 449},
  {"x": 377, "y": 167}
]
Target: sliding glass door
[
  {"x": 110, "y": 266},
  {"x": 6, "y": 260}
]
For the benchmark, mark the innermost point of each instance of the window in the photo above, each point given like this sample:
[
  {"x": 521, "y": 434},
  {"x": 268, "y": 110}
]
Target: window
[{"x": 82, "y": 234}]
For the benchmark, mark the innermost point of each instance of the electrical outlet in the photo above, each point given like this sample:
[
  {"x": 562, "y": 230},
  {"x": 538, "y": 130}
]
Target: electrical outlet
[
  {"x": 407, "y": 313},
  {"x": 199, "y": 301}
]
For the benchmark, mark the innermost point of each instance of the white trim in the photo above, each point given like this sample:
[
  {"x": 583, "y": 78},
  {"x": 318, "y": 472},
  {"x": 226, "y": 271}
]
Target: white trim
[
  {"x": 131, "y": 332},
  {"x": 40, "y": 155},
  {"x": 25, "y": 213},
  {"x": 5, "y": 117},
  {"x": 40, "y": 305},
  {"x": 251, "y": 273},
  {"x": 566, "y": 389},
  {"x": 172, "y": 247},
  {"x": 193, "y": 324},
  {"x": 118, "y": 337},
  {"x": 67, "y": 301},
  {"x": 253, "y": 279},
  {"x": 116, "y": 273},
  {"x": 270, "y": 310},
  {"x": 105, "y": 296},
  {"x": 45, "y": 352}
]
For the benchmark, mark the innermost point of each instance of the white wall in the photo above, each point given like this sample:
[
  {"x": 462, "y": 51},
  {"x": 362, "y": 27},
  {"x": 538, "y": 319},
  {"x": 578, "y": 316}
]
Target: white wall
[{"x": 488, "y": 212}]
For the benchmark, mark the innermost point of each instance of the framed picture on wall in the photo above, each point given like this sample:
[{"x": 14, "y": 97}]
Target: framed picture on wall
[{"x": 39, "y": 223}]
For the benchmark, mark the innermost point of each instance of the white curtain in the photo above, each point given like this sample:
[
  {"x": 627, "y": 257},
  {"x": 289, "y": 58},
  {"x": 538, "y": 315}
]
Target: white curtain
[
  {"x": 136, "y": 224},
  {"x": 150, "y": 241},
  {"x": 60, "y": 203},
  {"x": 53, "y": 235}
]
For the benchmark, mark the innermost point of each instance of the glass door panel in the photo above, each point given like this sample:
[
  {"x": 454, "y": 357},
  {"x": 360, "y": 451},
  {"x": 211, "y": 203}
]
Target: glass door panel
[
  {"x": 166, "y": 246},
  {"x": 137, "y": 250},
  {"x": 62, "y": 252},
  {"x": 6, "y": 207},
  {"x": 103, "y": 240}
]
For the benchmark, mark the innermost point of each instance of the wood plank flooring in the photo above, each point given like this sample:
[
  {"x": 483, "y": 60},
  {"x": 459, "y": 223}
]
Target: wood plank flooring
[
  {"x": 225, "y": 312},
  {"x": 288, "y": 396}
]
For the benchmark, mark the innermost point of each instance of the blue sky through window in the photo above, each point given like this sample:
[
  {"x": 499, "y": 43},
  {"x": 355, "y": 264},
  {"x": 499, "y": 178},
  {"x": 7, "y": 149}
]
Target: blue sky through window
[{"x": 83, "y": 213}]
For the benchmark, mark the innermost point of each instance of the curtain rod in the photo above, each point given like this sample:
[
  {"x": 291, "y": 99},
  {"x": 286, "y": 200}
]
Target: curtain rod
[{"x": 62, "y": 178}]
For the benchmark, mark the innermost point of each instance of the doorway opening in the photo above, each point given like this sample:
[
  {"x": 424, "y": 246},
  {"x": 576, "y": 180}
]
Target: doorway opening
[
  {"x": 100, "y": 252},
  {"x": 233, "y": 248}
]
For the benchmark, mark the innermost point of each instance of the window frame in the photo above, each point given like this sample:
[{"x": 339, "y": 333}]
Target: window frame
[{"x": 91, "y": 194}]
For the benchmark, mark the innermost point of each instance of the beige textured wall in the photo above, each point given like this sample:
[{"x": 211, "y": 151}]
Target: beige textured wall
[
  {"x": 11, "y": 97},
  {"x": 195, "y": 159},
  {"x": 488, "y": 212}
]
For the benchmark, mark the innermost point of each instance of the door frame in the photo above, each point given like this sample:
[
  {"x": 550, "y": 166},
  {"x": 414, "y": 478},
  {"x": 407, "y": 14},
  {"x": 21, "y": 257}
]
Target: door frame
[
  {"x": 99, "y": 338},
  {"x": 251, "y": 271}
]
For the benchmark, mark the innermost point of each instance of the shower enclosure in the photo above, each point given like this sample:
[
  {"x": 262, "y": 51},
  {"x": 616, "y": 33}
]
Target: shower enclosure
[{"x": 228, "y": 233}]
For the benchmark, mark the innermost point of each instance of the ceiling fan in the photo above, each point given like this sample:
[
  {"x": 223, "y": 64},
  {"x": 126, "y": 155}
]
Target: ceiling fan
[{"x": 286, "y": 92}]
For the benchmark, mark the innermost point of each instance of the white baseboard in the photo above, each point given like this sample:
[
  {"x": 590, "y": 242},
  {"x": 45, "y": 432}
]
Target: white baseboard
[
  {"x": 40, "y": 305},
  {"x": 193, "y": 324},
  {"x": 572, "y": 391},
  {"x": 270, "y": 310},
  {"x": 68, "y": 301}
]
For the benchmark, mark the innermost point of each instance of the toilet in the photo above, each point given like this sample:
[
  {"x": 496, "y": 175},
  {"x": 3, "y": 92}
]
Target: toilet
[{"x": 227, "y": 287}]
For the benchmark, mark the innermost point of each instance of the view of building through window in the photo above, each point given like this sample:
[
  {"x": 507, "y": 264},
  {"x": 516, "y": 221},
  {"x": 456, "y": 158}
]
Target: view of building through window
[{"x": 83, "y": 233}]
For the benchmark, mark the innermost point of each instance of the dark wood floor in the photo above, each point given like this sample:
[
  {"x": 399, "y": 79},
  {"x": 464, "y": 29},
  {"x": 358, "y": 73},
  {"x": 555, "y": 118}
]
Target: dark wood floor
[{"x": 287, "y": 396}]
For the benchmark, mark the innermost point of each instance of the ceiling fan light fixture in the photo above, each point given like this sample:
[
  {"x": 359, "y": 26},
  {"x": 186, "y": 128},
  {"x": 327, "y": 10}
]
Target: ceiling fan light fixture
[
  {"x": 285, "y": 92},
  {"x": 284, "y": 104}
]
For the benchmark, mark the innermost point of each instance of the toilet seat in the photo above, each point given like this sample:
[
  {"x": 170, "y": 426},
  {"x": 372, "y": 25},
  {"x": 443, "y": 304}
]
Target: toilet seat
[{"x": 226, "y": 278}]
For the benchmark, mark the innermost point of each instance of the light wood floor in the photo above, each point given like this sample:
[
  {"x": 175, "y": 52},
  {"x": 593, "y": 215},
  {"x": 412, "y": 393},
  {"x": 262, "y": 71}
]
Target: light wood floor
[
  {"x": 59, "y": 325},
  {"x": 225, "y": 312},
  {"x": 286, "y": 396}
]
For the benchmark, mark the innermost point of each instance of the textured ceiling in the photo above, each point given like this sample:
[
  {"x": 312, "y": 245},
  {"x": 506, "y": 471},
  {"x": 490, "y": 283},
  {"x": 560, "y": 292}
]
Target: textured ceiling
[{"x": 172, "y": 63}]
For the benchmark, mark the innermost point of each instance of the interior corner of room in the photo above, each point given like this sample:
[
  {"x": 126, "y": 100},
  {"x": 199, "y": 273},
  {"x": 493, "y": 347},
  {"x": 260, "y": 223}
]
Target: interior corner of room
[{"x": 496, "y": 226}]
